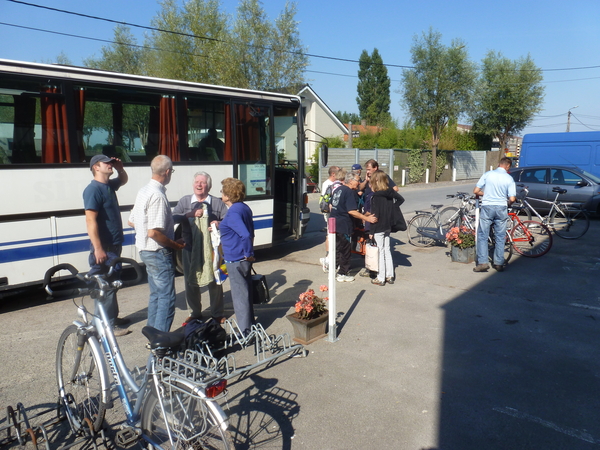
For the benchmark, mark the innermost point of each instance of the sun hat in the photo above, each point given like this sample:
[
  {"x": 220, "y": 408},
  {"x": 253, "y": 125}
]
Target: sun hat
[{"x": 99, "y": 158}]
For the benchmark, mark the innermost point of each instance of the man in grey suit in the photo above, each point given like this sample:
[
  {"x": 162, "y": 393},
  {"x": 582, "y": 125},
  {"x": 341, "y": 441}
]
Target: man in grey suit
[{"x": 197, "y": 213}]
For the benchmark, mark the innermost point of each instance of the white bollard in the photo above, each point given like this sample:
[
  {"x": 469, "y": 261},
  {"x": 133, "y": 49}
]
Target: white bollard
[
  {"x": 403, "y": 177},
  {"x": 454, "y": 174},
  {"x": 426, "y": 176},
  {"x": 332, "y": 334}
]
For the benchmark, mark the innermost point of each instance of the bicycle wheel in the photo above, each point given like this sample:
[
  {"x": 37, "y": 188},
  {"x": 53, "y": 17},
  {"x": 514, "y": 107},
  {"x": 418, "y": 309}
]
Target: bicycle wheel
[
  {"x": 80, "y": 383},
  {"x": 449, "y": 217},
  {"x": 569, "y": 224},
  {"x": 422, "y": 230},
  {"x": 508, "y": 248},
  {"x": 189, "y": 419},
  {"x": 531, "y": 238}
]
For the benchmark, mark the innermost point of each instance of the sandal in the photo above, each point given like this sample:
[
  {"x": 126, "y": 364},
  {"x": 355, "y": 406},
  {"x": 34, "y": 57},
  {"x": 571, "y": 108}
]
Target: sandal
[{"x": 377, "y": 282}]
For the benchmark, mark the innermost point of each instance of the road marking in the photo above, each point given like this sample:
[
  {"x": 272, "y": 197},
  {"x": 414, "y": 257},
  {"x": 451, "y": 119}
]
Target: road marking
[
  {"x": 578, "y": 434},
  {"x": 579, "y": 305}
]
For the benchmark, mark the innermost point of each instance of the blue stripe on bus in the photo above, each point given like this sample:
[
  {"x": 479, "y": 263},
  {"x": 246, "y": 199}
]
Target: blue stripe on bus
[{"x": 52, "y": 248}]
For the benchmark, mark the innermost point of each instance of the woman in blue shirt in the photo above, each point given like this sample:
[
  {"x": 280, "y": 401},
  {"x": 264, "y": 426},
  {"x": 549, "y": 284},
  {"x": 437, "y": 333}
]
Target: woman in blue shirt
[{"x": 237, "y": 238}]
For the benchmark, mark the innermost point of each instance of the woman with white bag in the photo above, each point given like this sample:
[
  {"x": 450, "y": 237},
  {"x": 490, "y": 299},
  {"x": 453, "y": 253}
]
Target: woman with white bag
[{"x": 382, "y": 207}]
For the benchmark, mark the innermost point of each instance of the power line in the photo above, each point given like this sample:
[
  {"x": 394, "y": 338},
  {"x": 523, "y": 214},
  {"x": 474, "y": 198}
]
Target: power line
[
  {"x": 311, "y": 55},
  {"x": 145, "y": 27}
]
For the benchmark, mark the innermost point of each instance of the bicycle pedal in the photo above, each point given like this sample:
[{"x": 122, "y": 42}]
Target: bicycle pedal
[{"x": 127, "y": 436}]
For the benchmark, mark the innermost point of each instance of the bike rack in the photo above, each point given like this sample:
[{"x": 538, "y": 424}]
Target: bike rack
[
  {"x": 267, "y": 348},
  {"x": 18, "y": 428}
]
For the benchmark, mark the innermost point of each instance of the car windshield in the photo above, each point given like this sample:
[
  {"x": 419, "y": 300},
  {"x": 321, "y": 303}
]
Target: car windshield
[{"x": 593, "y": 177}]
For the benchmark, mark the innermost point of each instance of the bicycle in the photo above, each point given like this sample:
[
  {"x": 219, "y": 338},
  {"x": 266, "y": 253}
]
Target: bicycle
[
  {"x": 172, "y": 404},
  {"x": 426, "y": 228},
  {"x": 529, "y": 238},
  {"x": 567, "y": 220}
]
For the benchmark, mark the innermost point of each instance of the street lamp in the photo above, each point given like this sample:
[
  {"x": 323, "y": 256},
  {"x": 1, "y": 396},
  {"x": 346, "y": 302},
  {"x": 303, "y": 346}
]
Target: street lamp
[{"x": 569, "y": 118}]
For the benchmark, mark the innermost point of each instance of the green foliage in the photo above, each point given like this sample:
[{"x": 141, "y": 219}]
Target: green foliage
[
  {"x": 415, "y": 166},
  {"x": 509, "y": 95},
  {"x": 373, "y": 89},
  {"x": 441, "y": 85},
  {"x": 442, "y": 158},
  {"x": 346, "y": 117},
  {"x": 121, "y": 56}
]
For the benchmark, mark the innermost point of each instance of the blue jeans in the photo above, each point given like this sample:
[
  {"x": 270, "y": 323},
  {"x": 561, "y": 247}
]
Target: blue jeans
[
  {"x": 161, "y": 280},
  {"x": 498, "y": 216},
  {"x": 111, "y": 306}
]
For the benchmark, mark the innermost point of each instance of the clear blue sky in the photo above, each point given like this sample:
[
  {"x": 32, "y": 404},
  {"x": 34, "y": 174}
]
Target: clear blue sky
[{"x": 557, "y": 35}]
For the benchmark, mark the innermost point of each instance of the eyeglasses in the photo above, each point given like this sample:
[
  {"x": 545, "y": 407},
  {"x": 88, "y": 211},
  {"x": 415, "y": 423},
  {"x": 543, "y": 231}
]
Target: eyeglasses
[{"x": 172, "y": 170}]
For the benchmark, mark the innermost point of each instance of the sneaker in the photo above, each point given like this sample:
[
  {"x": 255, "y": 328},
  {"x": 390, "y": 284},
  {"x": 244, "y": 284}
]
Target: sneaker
[
  {"x": 481, "y": 268},
  {"x": 377, "y": 282},
  {"x": 324, "y": 264},
  {"x": 498, "y": 267},
  {"x": 120, "y": 331},
  {"x": 345, "y": 278},
  {"x": 364, "y": 272},
  {"x": 389, "y": 280},
  {"x": 120, "y": 321}
]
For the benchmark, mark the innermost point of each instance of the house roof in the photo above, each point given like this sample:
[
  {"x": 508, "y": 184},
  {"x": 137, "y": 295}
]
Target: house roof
[{"x": 308, "y": 91}]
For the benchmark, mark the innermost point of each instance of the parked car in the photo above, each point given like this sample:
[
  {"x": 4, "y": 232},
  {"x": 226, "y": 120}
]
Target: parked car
[{"x": 582, "y": 187}]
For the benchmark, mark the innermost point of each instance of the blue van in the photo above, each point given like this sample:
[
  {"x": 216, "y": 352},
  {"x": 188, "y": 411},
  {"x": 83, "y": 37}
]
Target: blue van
[{"x": 579, "y": 149}]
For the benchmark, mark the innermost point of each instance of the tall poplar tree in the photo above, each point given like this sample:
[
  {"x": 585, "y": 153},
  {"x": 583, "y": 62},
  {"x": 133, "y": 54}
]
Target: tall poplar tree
[{"x": 373, "y": 89}]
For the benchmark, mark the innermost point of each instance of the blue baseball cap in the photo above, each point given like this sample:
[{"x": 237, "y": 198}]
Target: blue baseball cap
[
  {"x": 98, "y": 159},
  {"x": 356, "y": 167}
]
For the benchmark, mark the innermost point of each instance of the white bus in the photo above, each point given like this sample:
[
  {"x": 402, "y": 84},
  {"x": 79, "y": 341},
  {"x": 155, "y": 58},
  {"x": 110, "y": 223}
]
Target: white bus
[{"x": 53, "y": 119}]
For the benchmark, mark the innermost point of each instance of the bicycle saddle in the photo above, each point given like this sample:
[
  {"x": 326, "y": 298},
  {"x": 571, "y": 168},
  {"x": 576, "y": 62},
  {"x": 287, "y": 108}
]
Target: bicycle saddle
[
  {"x": 163, "y": 339},
  {"x": 559, "y": 190}
]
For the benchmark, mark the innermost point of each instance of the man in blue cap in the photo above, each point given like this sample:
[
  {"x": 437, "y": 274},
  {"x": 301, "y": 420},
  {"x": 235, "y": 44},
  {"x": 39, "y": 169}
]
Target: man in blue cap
[{"x": 104, "y": 226}]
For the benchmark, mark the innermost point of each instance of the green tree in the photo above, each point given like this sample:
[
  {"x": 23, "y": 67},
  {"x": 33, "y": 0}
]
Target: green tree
[
  {"x": 198, "y": 47},
  {"x": 373, "y": 89},
  {"x": 123, "y": 55},
  {"x": 289, "y": 60},
  {"x": 346, "y": 117},
  {"x": 510, "y": 94},
  {"x": 439, "y": 87}
]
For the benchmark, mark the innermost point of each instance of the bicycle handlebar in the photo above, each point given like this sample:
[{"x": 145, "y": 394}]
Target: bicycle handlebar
[{"x": 100, "y": 279}]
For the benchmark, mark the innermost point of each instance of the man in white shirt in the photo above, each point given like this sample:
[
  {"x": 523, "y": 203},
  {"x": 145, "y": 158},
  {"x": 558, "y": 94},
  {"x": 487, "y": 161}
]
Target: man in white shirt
[{"x": 154, "y": 238}]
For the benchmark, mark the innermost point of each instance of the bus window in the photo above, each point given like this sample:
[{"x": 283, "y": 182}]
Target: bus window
[
  {"x": 253, "y": 147},
  {"x": 20, "y": 124},
  {"x": 119, "y": 124},
  {"x": 207, "y": 123}
]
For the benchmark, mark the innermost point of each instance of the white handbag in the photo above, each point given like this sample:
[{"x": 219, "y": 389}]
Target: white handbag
[{"x": 372, "y": 257}]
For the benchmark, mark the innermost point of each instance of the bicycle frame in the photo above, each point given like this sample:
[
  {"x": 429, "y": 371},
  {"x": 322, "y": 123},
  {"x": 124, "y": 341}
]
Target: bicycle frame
[{"x": 113, "y": 359}]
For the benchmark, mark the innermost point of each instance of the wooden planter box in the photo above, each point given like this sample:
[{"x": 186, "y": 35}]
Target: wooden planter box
[{"x": 308, "y": 331}]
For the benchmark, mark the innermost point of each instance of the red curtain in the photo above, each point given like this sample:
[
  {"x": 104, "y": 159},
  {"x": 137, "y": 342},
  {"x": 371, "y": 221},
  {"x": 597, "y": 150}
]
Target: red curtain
[
  {"x": 228, "y": 150},
  {"x": 55, "y": 141},
  {"x": 248, "y": 134},
  {"x": 167, "y": 137}
]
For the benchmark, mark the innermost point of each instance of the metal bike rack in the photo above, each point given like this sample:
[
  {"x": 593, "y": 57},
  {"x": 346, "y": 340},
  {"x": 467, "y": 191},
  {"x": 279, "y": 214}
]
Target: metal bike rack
[
  {"x": 18, "y": 428},
  {"x": 267, "y": 348}
]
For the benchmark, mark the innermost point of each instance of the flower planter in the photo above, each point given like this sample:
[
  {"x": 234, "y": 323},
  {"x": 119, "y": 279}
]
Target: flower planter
[
  {"x": 463, "y": 255},
  {"x": 307, "y": 331}
]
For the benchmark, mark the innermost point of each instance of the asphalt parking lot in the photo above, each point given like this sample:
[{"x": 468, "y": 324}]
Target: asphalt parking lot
[{"x": 443, "y": 359}]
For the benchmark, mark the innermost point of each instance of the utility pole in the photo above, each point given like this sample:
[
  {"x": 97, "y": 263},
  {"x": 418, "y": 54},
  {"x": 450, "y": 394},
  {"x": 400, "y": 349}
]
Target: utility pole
[
  {"x": 569, "y": 118},
  {"x": 349, "y": 134}
]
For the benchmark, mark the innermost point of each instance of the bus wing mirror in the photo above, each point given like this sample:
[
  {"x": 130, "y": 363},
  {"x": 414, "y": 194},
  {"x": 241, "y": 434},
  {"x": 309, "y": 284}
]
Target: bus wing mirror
[{"x": 324, "y": 155}]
